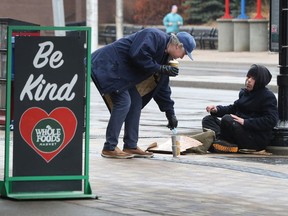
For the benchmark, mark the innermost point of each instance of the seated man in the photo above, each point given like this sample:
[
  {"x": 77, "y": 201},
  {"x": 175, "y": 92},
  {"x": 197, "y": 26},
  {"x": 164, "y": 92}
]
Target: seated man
[{"x": 247, "y": 123}]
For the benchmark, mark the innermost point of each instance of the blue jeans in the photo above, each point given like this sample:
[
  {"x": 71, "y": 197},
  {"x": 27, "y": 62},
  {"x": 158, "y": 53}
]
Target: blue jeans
[{"x": 126, "y": 109}]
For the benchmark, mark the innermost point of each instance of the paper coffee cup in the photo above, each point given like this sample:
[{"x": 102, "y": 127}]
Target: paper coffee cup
[{"x": 174, "y": 63}]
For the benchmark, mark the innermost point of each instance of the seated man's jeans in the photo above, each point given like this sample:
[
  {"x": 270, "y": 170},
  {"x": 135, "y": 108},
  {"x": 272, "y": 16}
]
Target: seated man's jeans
[{"x": 226, "y": 128}]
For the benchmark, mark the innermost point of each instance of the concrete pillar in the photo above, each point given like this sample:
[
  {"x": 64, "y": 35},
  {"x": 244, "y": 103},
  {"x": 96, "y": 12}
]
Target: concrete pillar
[
  {"x": 258, "y": 35},
  {"x": 241, "y": 35},
  {"x": 225, "y": 35},
  {"x": 92, "y": 21}
]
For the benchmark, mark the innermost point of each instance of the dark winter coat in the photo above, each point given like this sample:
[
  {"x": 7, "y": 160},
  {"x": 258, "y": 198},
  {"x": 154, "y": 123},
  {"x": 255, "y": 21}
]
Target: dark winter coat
[
  {"x": 131, "y": 60},
  {"x": 258, "y": 107}
]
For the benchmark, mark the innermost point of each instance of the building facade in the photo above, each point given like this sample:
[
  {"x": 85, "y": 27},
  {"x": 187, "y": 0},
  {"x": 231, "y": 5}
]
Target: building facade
[{"x": 41, "y": 11}]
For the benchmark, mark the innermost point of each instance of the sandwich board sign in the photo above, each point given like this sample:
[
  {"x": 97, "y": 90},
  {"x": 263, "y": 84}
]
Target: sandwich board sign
[{"x": 51, "y": 114}]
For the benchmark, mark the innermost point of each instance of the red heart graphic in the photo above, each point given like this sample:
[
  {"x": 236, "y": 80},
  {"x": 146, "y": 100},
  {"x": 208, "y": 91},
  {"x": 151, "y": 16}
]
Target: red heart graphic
[{"x": 62, "y": 115}]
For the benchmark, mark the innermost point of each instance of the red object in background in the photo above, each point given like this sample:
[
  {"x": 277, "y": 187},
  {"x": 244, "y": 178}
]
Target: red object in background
[
  {"x": 3, "y": 111},
  {"x": 30, "y": 33},
  {"x": 259, "y": 15},
  {"x": 227, "y": 10},
  {"x": 4, "y": 23}
]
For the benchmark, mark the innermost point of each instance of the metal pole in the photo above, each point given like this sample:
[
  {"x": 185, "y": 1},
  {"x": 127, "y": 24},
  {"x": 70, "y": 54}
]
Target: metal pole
[
  {"x": 119, "y": 19},
  {"x": 280, "y": 143},
  {"x": 227, "y": 10},
  {"x": 92, "y": 21},
  {"x": 259, "y": 15},
  {"x": 242, "y": 15},
  {"x": 58, "y": 16}
]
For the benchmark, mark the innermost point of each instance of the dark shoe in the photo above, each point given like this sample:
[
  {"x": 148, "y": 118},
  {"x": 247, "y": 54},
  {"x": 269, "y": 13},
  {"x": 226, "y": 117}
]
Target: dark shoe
[
  {"x": 222, "y": 146},
  {"x": 117, "y": 153},
  {"x": 138, "y": 153}
]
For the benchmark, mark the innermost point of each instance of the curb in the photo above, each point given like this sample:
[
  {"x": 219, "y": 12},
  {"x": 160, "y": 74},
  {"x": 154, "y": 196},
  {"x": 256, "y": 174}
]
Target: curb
[{"x": 213, "y": 85}]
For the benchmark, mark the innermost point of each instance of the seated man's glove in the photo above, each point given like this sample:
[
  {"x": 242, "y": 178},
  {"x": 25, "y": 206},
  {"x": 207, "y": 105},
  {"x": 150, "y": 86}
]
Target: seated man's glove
[
  {"x": 169, "y": 70},
  {"x": 172, "y": 122}
]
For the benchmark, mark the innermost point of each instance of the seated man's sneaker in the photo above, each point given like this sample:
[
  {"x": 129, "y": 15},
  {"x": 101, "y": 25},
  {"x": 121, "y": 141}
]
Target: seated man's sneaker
[
  {"x": 222, "y": 146},
  {"x": 138, "y": 153},
  {"x": 117, "y": 153}
]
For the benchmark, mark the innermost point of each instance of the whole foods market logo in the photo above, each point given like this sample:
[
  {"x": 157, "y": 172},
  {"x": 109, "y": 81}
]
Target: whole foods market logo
[{"x": 48, "y": 134}]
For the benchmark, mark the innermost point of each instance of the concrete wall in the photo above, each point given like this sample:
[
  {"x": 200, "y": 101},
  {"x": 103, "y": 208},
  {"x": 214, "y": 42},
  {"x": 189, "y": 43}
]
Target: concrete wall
[
  {"x": 34, "y": 11},
  {"x": 40, "y": 11}
]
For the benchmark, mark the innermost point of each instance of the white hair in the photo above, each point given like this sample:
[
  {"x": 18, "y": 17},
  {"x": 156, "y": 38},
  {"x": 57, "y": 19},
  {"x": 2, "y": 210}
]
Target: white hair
[{"x": 175, "y": 41}]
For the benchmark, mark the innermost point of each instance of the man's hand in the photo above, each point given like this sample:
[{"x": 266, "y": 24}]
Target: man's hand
[
  {"x": 211, "y": 109},
  {"x": 238, "y": 119},
  {"x": 172, "y": 122},
  {"x": 169, "y": 70}
]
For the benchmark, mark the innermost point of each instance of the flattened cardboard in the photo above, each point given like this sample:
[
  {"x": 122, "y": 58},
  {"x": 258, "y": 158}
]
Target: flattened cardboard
[{"x": 166, "y": 147}]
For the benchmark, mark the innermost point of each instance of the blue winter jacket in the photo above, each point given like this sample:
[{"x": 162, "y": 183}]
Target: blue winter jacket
[{"x": 131, "y": 60}]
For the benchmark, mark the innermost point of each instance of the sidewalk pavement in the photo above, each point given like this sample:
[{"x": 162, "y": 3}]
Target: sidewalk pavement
[
  {"x": 215, "y": 60},
  {"x": 210, "y": 184},
  {"x": 266, "y": 58}
]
